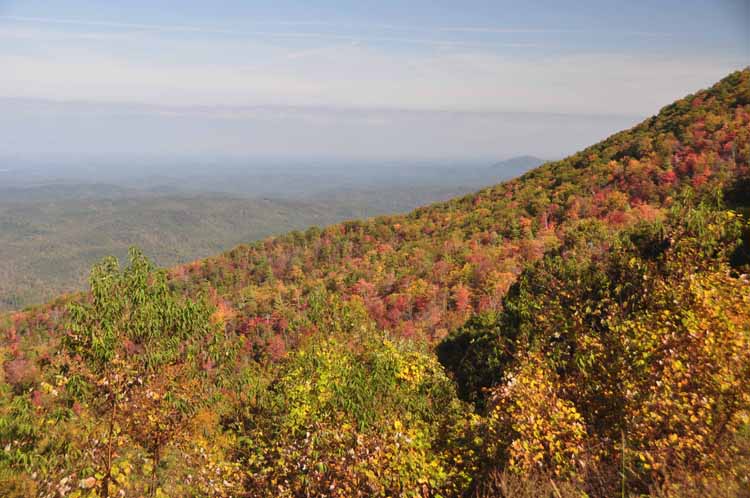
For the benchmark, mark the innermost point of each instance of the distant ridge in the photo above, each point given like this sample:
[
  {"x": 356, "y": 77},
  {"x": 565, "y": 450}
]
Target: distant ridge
[{"x": 518, "y": 165}]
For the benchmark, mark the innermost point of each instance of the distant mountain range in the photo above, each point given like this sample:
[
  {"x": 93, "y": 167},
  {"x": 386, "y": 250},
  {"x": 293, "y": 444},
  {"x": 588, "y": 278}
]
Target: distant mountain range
[{"x": 519, "y": 165}]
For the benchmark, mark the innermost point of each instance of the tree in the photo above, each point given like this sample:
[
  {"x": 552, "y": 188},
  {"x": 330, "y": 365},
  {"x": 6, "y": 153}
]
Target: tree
[{"x": 140, "y": 346}]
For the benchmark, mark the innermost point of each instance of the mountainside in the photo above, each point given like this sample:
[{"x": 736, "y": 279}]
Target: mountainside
[
  {"x": 411, "y": 270},
  {"x": 49, "y": 238},
  {"x": 55, "y": 223},
  {"x": 47, "y": 244},
  {"x": 582, "y": 328}
]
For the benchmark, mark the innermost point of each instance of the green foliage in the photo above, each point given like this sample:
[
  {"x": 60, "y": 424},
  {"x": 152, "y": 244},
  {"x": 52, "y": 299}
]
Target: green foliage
[
  {"x": 476, "y": 355},
  {"x": 370, "y": 415},
  {"x": 647, "y": 342},
  {"x": 142, "y": 352},
  {"x": 135, "y": 309}
]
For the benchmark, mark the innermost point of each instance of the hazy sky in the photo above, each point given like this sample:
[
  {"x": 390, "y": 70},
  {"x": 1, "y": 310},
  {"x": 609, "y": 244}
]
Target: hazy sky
[{"x": 366, "y": 78}]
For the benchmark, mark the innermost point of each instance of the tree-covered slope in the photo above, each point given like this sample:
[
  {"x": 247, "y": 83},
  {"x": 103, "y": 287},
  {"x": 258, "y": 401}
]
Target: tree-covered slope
[
  {"x": 51, "y": 234},
  {"x": 421, "y": 274},
  {"x": 581, "y": 329}
]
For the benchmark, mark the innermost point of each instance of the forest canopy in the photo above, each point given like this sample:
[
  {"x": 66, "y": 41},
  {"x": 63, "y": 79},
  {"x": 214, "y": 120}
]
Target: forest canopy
[{"x": 582, "y": 330}]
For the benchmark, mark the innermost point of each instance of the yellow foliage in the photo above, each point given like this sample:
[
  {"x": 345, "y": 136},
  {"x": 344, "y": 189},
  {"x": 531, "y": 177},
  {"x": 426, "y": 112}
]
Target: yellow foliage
[{"x": 531, "y": 425}]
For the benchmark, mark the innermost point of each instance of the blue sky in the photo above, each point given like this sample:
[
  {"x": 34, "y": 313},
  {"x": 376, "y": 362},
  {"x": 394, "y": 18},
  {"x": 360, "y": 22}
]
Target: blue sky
[{"x": 334, "y": 62}]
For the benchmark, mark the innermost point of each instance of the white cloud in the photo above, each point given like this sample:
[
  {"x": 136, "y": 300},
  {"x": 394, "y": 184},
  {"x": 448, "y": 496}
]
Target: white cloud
[
  {"x": 351, "y": 75},
  {"x": 376, "y": 90},
  {"x": 137, "y": 63}
]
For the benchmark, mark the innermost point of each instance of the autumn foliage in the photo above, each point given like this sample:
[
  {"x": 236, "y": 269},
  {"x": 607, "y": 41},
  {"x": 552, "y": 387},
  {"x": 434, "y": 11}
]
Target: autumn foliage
[{"x": 582, "y": 330}]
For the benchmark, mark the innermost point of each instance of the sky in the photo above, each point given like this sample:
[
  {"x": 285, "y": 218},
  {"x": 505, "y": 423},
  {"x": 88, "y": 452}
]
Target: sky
[{"x": 350, "y": 79}]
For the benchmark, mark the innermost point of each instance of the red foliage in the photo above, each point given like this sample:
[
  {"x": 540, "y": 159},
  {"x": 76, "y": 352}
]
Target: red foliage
[
  {"x": 276, "y": 347},
  {"x": 21, "y": 372},
  {"x": 668, "y": 177},
  {"x": 461, "y": 298}
]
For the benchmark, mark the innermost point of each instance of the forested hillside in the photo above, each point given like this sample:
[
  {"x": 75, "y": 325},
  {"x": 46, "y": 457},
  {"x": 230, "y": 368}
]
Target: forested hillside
[
  {"x": 53, "y": 229},
  {"x": 48, "y": 244},
  {"x": 584, "y": 328},
  {"x": 52, "y": 233}
]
